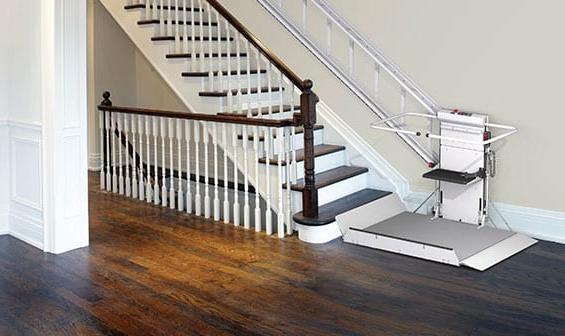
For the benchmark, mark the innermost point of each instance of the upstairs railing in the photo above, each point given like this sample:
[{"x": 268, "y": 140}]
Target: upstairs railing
[
  {"x": 376, "y": 80},
  {"x": 190, "y": 162},
  {"x": 236, "y": 62}
]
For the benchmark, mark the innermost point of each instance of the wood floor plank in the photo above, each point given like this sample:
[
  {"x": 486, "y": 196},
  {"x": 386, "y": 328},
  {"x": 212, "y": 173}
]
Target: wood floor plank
[{"x": 153, "y": 271}]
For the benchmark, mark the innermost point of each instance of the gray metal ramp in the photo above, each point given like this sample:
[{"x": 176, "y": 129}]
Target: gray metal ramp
[
  {"x": 465, "y": 239},
  {"x": 384, "y": 225}
]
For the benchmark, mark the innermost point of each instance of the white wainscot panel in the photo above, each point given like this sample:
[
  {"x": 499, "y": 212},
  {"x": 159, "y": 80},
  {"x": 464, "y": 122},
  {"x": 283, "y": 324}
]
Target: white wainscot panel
[{"x": 26, "y": 204}]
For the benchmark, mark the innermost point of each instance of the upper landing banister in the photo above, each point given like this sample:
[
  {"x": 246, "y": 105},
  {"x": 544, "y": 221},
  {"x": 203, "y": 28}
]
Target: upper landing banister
[
  {"x": 228, "y": 119},
  {"x": 285, "y": 69}
]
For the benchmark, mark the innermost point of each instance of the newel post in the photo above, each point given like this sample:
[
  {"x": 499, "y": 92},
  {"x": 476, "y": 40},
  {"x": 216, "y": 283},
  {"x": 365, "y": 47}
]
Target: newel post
[
  {"x": 105, "y": 102},
  {"x": 308, "y": 101}
]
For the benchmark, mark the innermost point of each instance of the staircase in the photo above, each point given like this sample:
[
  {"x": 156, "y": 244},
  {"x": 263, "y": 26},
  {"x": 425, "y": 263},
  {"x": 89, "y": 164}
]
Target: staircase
[{"x": 222, "y": 71}]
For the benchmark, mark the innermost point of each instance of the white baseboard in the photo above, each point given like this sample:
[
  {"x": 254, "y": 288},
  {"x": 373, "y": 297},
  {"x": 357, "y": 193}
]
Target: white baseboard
[
  {"x": 94, "y": 161},
  {"x": 26, "y": 230},
  {"x": 4, "y": 223},
  {"x": 538, "y": 223}
]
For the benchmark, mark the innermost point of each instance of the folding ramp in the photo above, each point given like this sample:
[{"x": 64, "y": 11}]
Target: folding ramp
[{"x": 385, "y": 225}]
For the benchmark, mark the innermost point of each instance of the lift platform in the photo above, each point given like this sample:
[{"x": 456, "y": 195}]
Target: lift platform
[
  {"x": 455, "y": 232},
  {"x": 423, "y": 236}
]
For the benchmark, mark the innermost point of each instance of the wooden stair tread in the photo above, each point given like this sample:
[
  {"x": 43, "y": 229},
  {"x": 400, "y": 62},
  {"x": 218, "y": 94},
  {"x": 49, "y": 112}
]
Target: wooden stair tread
[
  {"x": 328, "y": 212},
  {"x": 165, "y": 7},
  {"x": 331, "y": 176},
  {"x": 319, "y": 150},
  {"x": 196, "y": 38},
  {"x": 174, "y": 22},
  {"x": 299, "y": 130},
  {"x": 234, "y": 92},
  {"x": 215, "y": 73},
  {"x": 206, "y": 55}
]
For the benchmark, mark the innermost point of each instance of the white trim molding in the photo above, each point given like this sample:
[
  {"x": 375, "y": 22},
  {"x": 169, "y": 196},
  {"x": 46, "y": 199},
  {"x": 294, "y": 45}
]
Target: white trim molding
[
  {"x": 4, "y": 220},
  {"x": 94, "y": 162},
  {"x": 64, "y": 111}
]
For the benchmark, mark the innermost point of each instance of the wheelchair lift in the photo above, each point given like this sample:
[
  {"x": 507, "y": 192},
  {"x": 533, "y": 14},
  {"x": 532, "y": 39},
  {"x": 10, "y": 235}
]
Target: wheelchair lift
[{"x": 456, "y": 233}]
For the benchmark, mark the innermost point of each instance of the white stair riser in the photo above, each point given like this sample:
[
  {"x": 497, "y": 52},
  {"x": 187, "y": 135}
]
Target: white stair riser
[
  {"x": 203, "y": 64},
  {"x": 370, "y": 213},
  {"x": 323, "y": 163},
  {"x": 335, "y": 191}
]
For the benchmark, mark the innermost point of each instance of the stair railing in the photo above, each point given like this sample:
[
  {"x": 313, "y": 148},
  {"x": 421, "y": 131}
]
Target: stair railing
[
  {"x": 163, "y": 157},
  {"x": 408, "y": 94},
  {"x": 235, "y": 62}
]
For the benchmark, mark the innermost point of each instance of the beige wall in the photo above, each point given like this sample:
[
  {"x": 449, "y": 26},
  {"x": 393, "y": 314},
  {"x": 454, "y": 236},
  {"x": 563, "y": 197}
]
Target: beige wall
[
  {"x": 116, "y": 65},
  {"x": 501, "y": 57}
]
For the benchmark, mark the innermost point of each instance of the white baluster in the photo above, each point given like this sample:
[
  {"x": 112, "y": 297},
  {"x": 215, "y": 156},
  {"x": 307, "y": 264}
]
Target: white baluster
[
  {"x": 216, "y": 179},
  {"x": 206, "y": 171},
  {"x": 202, "y": 58},
  {"x": 185, "y": 27},
  {"x": 127, "y": 178},
  {"x": 246, "y": 209},
  {"x": 170, "y": 26},
  {"x": 134, "y": 168},
  {"x": 180, "y": 192},
  {"x": 161, "y": 12},
  {"x": 294, "y": 165},
  {"x": 156, "y": 188},
  {"x": 229, "y": 88},
  {"x": 269, "y": 93},
  {"x": 171, "y": 164},
  {"x": 288, "y": 147},
  {"x": 226, "y": 177},
  {"x": 235, "y": 178},
  {"x": 177, "y": 28},
  {"x": 102, "y": 125},
  {"x": 141, "y": 170},
  {"x": 107, "y": 153},
  {"x": 164, "y": 164},
  {"x": 210, "y": 51},
  {"x": 280, "y": 181},
  {"x": 120, "y": 155},
  {"x": 256, "y": 136},
  {"x": 148, "y": 187},
  {"x": 187, "y": 132},
  {"x": 193, "y": 37},
  {"x": 268, "y": 138},
  {"x": 268, "y": 211},
  {"x": 280, "y": 142},
  {"x": 238, "y": 60},
  {"x": 147, "y": 10},
  {"x": 220, "y": 63},
  {"x": 198, "y": 197},
  {"x": 248, "y": 65}
]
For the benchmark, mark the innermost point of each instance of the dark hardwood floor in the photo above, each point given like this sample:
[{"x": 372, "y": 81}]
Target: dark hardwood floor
[{"x": 151, "y": 271}]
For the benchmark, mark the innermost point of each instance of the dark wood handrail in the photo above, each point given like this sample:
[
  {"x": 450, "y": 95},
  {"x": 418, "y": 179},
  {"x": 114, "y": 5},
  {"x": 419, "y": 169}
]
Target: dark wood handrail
[
  {"x": 228, "y": 119},
  {"x": 285, "y": 69}
]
